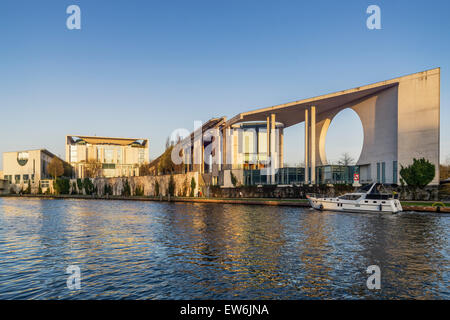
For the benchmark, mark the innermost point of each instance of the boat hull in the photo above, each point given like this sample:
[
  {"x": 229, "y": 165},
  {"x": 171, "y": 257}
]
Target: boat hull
[{"x": 333, "y": 204}]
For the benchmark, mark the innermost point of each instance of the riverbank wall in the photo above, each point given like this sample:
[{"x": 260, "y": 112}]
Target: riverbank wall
[
  {"x": 422, "y": 207},
  {"x": 300, "y": 192}
]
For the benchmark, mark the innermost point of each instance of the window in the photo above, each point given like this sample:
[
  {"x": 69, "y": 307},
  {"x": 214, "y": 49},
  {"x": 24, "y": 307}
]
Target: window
[
  {"x": 394, "y": 172},
  {"x": 378, "y": 172},
  {"x": 141, "y": 156},
  {"x": 26, "y": 177},
  {"x": 383, "y": 172},
  {"x": 17, "y": 178},
  {"x": 108, "y": 166},
  {"x": 119, "y": 155},
  {"x": 99, "y": 155},
  {"x": 109, "y": 155},
  {"x": 73, "y": 154}
]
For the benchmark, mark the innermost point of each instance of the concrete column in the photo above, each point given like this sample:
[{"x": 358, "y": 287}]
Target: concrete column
[
  {"x": 306, "y": 147},
  {"x": 268, "y": 135},
  {"x": 268, "y": 145},
  {"x": 280, "y": 162},
  {"x": 273, "y": 153},
  {"x": 224, "y": 149},
  {"x": 202, "y": 166},
  {"x": 313, "y": 144}
]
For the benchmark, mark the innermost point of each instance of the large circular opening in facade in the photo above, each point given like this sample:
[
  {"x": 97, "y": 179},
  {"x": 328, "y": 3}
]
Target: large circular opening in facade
[{"x": 344, "y": 139}]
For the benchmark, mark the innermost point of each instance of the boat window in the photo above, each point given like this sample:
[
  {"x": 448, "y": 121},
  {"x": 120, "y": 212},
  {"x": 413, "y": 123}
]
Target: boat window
[{"x": 350, "y": 197}]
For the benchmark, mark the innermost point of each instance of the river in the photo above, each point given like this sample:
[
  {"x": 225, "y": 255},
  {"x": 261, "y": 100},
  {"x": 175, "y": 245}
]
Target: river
[{"x": 160, "y": 250}]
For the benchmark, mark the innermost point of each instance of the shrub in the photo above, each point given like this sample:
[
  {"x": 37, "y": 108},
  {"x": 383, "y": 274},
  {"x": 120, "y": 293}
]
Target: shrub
[
  {"x": 171, "y": 188},
  {"x": 156, "y": 188},
  {"x": 193, "y": 185},
  {"x": 233, "y": 179},
  {"x": 74, "y": 188},
  {"x": 139, "y": 191},
  {"x": 28, "y": 189},
  {"x": 126, "y": 192},
  {"x": 39, "y": 188},
  {"x": 185, "y": 187},
  {"x": 12, "y": 191},
  {"x": 419, "y": 174},
  {"x": 80, "y": 186},
  {"x": 108, "y": 190},
  {"x": 61, "y": 186},
  {"x": 88, "y": 186}
]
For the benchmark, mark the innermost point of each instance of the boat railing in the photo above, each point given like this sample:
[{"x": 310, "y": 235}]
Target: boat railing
[{"x": 316, "y": 195}]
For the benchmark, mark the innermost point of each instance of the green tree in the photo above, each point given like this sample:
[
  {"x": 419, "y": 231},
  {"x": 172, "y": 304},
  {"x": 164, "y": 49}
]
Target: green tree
[
  {"x": 68, "y": 170},
  {"x": 185, "y": 187},
  {"x": 193, "y": 185},
  {"x": 419, "y": 174},
  {"x": 108, "y": 190},
  {"x": 39, "y": 188},
  {"x": 28, "y": 189},
  {"x": 74, "y": 188},
  {"x": 88, "y": 186},
  {"x": 61, "y": 186},
  {"x": 80, "y": 185},
  {"x": 233, "y": 179}
]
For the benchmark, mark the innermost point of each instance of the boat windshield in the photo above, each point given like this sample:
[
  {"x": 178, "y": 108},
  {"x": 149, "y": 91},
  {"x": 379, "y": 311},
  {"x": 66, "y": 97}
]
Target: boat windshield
[
  {"x": 350, "y": 197},
  {"x": 365, "y": 188}
]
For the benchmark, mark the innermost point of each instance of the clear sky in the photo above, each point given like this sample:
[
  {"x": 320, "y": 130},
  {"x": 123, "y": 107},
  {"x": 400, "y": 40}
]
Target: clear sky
[{"x": 144, "y": 68}]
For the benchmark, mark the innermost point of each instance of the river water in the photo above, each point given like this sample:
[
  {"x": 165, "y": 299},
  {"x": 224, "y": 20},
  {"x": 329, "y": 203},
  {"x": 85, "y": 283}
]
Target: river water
[{"x": 159, "y": 250}]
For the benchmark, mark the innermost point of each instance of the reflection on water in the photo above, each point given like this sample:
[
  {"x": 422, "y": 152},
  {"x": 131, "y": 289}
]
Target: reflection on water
[{"x": 152, "y": 250}]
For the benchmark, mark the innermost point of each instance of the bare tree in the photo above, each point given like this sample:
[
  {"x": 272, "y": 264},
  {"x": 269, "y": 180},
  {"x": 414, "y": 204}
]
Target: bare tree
[
  {"x": 346, "y": 160},
  {"x": 55, "y": 168},
  {"x": 93, "y": 168}
]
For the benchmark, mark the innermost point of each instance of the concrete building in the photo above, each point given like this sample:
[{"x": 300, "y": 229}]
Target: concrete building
[
  {"x": 28, "y": 166},
  {"x": 118, "y": 157},
  {"x": 400, "y": 120}
]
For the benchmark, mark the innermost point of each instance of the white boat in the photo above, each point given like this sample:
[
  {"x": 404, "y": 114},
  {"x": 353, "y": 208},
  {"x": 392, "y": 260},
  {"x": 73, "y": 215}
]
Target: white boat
[{"x": 367, "y": 199}]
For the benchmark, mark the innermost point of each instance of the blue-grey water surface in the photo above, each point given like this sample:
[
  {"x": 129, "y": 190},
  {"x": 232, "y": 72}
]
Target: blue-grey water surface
[{"x": 158, "y": 250}]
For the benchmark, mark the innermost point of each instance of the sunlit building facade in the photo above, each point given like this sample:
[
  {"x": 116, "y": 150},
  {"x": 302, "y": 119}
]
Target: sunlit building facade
[
  {"x": 21, "y": 168},
  {"x": 116, "y": 157}
]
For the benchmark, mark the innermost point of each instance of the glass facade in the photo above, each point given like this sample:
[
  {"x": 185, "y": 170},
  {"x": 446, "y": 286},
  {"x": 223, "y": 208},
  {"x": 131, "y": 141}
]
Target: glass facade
[
  {"x": 378, "y": 172},
  {"x": 333, "y": 174},
  {"x": 394, "y": 172}
]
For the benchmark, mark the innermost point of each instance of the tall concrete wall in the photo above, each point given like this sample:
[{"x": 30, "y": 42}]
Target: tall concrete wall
[
  {"x": 418, "y": 118},
  {"x": 399, "y": 123}
]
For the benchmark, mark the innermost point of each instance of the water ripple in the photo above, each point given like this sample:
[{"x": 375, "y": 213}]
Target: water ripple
[{"x": 151, "y": 250}]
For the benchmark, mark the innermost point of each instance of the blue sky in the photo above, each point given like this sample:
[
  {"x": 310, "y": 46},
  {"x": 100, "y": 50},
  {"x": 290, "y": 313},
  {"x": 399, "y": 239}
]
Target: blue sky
[{"x": 144, "y": 68}]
